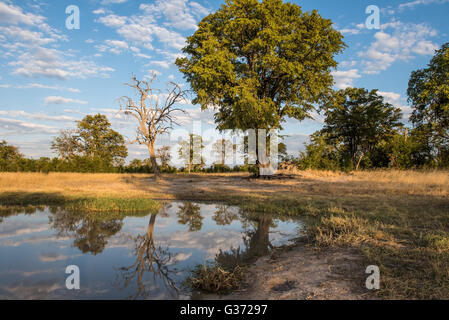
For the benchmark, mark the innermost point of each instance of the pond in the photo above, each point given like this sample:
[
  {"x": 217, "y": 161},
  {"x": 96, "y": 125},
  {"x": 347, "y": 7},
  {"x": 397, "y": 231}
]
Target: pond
[{"x": 132, "y": 257}]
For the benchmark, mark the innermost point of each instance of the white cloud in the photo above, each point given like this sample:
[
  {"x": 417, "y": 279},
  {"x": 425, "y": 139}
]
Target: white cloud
[
  {"x": 198, "y": 9},
  {"x": 28, "y": 51},
  {"x": 99, "y": 11},
  {"x": 106, "y": 2},
  {"x": 349, "y": 31},
  {"x": 162, "y": 64},
  {"x": 43, "y": 86},
  {"x": 403, "y": 43},
  {"x": 16, "y": 127},
  {"x": 113, "y": 46},
  {"x": 10, "y": 14},
  {"x": 179, "y": 14},
  {"x": 52, "y": 63},
  {"x": 62, "y": 100},
  {"x": 36, "y": 116},
  {"x": 415, "y": 3},
  {"x": 345, "y": 79},
  {"x": 398, "y": 101},
  {"x": 27, "y": 36},
  {"x": 140, "y": 30}
]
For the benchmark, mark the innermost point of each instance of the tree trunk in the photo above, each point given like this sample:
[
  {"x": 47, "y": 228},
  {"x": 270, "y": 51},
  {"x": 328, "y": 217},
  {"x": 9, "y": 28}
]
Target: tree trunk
[
  {"x": 157, "y": 174},
  {"x": 358, "y": 162}
]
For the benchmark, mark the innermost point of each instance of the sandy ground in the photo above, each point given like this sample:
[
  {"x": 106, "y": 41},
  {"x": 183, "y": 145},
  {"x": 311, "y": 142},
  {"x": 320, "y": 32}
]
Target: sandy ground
[{"x": 303, "y": 273}]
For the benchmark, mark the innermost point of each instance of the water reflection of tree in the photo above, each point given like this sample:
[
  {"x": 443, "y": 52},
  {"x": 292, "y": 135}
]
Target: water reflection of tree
[
  {"x": 256, "y": 243},
  {"x": 91, "y": 233},
  {"x": 150, "y": 259},
  {"x": 190, "y": 214},
  {"x": 10, "y": 211},
  {"x": 224, "y": 215}
]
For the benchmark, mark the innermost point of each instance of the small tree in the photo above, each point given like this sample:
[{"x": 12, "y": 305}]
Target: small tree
[
  {"x": 8, "y": 152},
  {"x": 8, "y": 155},
  {"x": 164, "y": 156},
  {"x": 93, "y": 138},
  {"x": 223, "y": 149},
  {"x": 187, "y": 150},
  {"x": 65, "y": 145},
  {"x": 360, "y": 119},
  {"x": 154, "y": 118}
]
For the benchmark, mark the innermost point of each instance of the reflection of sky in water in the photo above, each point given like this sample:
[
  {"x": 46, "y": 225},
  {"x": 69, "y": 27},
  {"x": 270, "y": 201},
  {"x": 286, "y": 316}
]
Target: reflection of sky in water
[{"x": 34, "y": 252}]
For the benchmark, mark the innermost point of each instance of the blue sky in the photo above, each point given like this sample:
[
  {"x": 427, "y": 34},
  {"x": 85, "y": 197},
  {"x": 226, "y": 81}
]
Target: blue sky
[{"x": 51, "y": 76}]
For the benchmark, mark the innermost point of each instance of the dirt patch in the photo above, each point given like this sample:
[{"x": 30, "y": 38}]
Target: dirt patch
[{"x": 303, "y": 273}]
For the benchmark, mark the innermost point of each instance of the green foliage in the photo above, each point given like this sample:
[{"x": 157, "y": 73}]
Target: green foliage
[
  {"x": 8, "y": 155},
  {"x": 321, "y": 154},
  {"x": 92, "y": 139},
  {"x": 360, "y": 120},
  {"x": 187, "y": 151},
  {"x": 428, "y": 92},
  {"x": 257, "y": 62}
]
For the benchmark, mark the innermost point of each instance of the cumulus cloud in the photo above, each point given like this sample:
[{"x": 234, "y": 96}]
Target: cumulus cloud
[
  {"x": 99, "y": 11},
  {"x": 42, "y": 86},
  {"x": 345, "y": 79},
  {"x": 158, "y": 22},
  {"x": 113, "y": 46},
  {"x": 412, "y": 4},
  {"x": 398, "y": 101},
  {"x": 179, "y": 14},
  {"x": 51, "y": 63},
  {"x": 62, "y": 100},
  {"x": 11, "y": 14},
  {"x": 19, "y": 127},
  {"x": 36, "y": 116},
  {"x": 106, "y": 2},
  {"x": 26, "y": 39},
  {"x": 403, "y": 42}
]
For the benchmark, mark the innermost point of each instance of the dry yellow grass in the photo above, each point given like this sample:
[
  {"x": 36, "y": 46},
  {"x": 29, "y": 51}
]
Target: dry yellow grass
[
  {"x": 423, "y": 183},
  {"x": 68, "y": 184}
]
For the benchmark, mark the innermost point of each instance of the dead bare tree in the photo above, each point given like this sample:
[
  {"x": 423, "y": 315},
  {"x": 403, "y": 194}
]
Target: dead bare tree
[{"x": 154, "y": 118}]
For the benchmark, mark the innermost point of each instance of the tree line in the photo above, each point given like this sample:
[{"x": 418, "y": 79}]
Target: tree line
[{"x": 361, "y": 130}]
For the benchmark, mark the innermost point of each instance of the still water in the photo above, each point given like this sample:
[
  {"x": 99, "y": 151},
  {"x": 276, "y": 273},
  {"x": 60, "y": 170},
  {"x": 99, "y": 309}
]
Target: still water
[{"x": 144, "y": 257}]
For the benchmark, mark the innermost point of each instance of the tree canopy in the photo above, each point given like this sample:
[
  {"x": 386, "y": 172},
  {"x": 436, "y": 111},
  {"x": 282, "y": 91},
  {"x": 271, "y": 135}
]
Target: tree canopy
[
  {"x": 360, "y": 119},
  {"x": 8, "y": 152},
  {"x": 428, "y": 92},
  {"x": 257, "y": 62},
  {"x": 93, "y": 138}
]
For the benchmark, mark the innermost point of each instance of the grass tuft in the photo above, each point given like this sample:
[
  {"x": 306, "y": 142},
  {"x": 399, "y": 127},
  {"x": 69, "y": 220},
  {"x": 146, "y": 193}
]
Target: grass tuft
[{"x": 214, "y": 279}]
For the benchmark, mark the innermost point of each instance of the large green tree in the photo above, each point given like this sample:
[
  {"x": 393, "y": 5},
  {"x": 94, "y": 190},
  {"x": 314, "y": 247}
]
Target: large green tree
[
  {"x": 428, "y": 92},
  {"x": 257, "y": 62},
  {"x": 360, "y": 119},
  {"x": 93, "y": 138}
]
